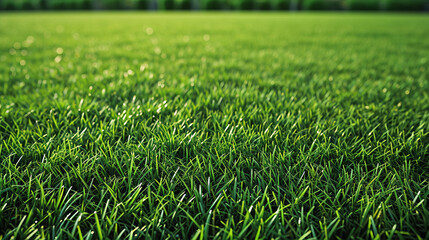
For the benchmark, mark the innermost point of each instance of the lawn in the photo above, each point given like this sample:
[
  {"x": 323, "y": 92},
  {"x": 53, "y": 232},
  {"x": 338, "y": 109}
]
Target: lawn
[{"x": 214, "y": 125}]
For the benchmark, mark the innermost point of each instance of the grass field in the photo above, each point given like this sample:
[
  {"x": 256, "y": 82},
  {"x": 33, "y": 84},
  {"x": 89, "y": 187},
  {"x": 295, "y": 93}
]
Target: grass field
[{"x": 214, "y": 126}]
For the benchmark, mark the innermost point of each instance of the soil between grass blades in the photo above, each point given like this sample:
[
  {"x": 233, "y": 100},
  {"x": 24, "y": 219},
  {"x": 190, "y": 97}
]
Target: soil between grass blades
[{"x": 214, "y": 125}]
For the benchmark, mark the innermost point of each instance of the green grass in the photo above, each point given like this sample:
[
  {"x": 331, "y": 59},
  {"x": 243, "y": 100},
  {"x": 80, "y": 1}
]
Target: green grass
[{"x": 214, "y": 126}]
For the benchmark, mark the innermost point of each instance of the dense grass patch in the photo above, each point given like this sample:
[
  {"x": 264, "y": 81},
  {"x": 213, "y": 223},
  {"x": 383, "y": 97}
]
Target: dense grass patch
[{"x": 212, "y": 126}]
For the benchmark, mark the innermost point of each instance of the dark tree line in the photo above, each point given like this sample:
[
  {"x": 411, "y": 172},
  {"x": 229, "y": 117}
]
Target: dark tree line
[{"x": 364, "y": 5}]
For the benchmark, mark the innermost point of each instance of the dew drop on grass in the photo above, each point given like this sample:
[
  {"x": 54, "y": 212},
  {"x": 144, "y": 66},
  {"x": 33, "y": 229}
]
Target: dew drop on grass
[
  {"x": 12, "y": 51},
  {"x": 24, "y": 52},
  {"x": 161, "y": 84},
  {"x": 30, "y": 39},
  {"x": 58, "y": 59},
  {"x": 17, "y": 45},
  {"x": 149, "y": 31},
  {"x": 60, "y": 51}
]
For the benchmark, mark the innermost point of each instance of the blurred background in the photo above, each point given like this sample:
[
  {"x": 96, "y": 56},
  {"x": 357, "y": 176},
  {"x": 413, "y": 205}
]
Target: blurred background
[{"x": 279, "y": 5}]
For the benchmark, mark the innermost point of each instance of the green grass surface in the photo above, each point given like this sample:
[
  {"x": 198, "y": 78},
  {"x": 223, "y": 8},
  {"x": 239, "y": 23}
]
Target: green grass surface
[{"x": 214, "y": 126}]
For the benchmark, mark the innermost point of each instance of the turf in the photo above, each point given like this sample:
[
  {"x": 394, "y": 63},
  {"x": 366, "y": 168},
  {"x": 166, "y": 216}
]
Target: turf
[{"x": 214, "y": 126}]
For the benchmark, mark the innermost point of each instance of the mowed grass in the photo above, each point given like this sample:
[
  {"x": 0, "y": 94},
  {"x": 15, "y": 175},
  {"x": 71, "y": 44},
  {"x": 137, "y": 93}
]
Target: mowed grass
[{"x": 214, "y": 126}]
